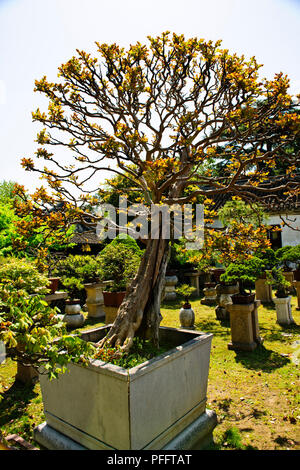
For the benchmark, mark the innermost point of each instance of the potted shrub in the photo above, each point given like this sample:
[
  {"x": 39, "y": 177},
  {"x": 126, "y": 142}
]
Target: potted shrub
[
  {"x": 34, "y": 336},
  {"x": 186, "y": 314},
  {"x": 292, "y": 255},
  {"x": 282, "y": 299},
  {"x": 75, "y": 271},
  {"x": 118, "y": 264},
  {"x": 20, "y": 278},
  {"x": 245, "y": 274}
]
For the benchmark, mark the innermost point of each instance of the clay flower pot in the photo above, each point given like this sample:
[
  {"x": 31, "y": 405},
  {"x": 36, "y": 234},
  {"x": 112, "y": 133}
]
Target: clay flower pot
[
  {"x": 113, "y": 299},
  {"x": 239, "y": 299},
  {"x": 54, "y": 284}
]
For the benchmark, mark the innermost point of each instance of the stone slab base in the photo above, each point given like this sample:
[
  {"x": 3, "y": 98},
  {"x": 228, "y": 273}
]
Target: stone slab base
[
  {"x": 242, "y": 346},
  {"x": 198, "y": 435}
]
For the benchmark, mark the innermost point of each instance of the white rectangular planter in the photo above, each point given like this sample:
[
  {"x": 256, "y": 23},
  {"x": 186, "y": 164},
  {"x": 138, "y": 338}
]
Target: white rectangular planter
[
  {"x": 103, "y": 406},
  {"x": 284, "y": 310}
]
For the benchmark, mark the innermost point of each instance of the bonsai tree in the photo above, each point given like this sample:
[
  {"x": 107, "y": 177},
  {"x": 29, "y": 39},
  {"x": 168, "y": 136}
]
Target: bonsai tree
[
  {"x": 185, "y": 291},
  {"x": 76, "y": 271},
  {"x": 34, "y": 336},
  {"x": 277, "y": 280},
  {"x": 289, "y": 254},
  {"x": 158, "y": 113},
  {"x": 22, "y": 274},
  {"x": 244, "y": 273},
  {"x": 118, "y": 263}
]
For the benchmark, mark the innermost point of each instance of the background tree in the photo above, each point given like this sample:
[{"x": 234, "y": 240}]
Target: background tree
[{"x": 157, "y": 113}]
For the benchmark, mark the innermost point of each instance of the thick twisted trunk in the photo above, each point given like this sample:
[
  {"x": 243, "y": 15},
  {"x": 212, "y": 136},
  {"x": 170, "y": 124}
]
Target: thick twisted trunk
[{"x": 140, "y": 310}]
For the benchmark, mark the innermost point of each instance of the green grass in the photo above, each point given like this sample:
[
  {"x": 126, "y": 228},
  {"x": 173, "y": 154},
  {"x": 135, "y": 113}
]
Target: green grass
[{"x": 255, "y": 394}]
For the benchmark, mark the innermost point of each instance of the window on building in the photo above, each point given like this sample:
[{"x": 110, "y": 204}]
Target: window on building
[{"x": 274, "y": 235}]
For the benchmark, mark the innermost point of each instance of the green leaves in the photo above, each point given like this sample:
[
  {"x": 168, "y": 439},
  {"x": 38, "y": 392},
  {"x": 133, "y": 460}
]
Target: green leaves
[{"x": 34, "y": 335}]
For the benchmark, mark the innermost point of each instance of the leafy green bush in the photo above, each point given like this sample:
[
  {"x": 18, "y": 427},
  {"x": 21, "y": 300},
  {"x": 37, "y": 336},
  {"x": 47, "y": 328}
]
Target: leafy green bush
[
  {"x": 185, "y": 291},
  {"x": 75, "y": 271},
  {"x": 118, "y": 263},
  {"x": 289, "y": 254},
  {"x": 277, "y": 280},
  {"x": 22, "y": 274},
  {"x": 33, "y": 335},
  {"x": 245, "y": 273},
  {"x": 269, "y": 258},
  {"x": 127, "y": 241}
]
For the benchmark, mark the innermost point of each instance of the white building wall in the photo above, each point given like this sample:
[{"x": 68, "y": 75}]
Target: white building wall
[{"x": 290, "y": 233}]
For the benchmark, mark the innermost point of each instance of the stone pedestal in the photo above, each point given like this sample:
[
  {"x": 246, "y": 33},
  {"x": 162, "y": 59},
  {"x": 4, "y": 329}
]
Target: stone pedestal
[
  {"x": 297, "y": 287},
  {"x": 169, "y": 288},
  {"x": 194, "y": 281},
  {"x": 244, "y": 326},
  {"x": 289, "y": 276},
  {"x": 26, "y": 374},
  {"x": 73, "y": 316},
  {"x": 110, "y": 314},
  {"x": 56, "y": 296},
  {"x": 210, "y": 296},
  {"x": 94, "y": 300},
  {"x": 263, "y": 291},
  {"x": 224, "y": 294},
  {"x": 284, "y": 310}
]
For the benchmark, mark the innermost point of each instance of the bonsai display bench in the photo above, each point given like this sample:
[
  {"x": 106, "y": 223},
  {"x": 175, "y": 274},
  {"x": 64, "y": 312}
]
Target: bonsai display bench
[
  {"x": 244, "y": 326},
  {"x": 56, "y": 296},
  {"x": 263, "y": 291},
  {"x": 210, "y": 296}
]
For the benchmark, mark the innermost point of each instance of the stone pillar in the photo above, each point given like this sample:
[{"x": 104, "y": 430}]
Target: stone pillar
[
  {"x": 73, "y": 316},
  {"x": 169, "y": 288},
  {"x": 26, "y": 374},
  {"x": 94, "y": 300},
  {"x": 224, "y": 294},
  {"x": 284, "y": 310},
  {"x": 110, "y": 314},
  {"x": 194, "y": 281},
  {"x": 263, "y": 291},
  {"x": 210, "y": 296},
  {"x": 297, "y": 287},
  {"x": 244, "y": 327}
]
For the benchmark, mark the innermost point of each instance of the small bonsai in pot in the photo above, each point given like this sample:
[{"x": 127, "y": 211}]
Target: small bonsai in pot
[
  {"x": 75, "y": 271},
  {"x": 185, "y": 291},
  {"x": 22, "y": 274},
  {"x": 186, "y": 314},
  {"x": 283, "y": 258},
  {"x": 283, "y": 300},
  {"x": 118, "y": 264},
  {"x": 245, "y": 274},
  {"x": 278, "y": 282},
  {"x": 292, "y": 255}
]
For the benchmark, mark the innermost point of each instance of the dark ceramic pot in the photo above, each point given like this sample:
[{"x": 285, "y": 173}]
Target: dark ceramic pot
[
  {"x": 113, "y": 299},
  {"x": 54, "y": 284},
  {"x": 239, "y": 299}
]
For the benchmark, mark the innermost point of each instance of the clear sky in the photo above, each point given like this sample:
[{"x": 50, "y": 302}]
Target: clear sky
[{"x": 36, "y": 36}]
